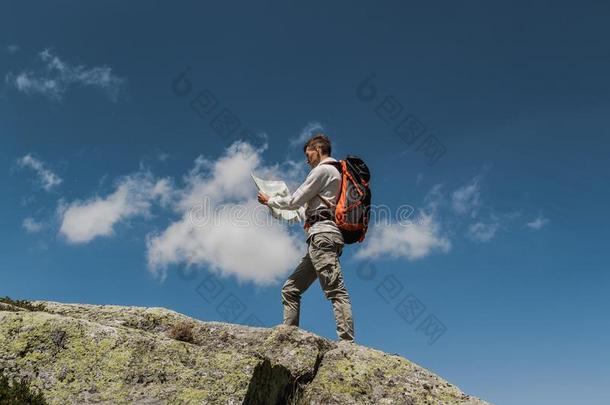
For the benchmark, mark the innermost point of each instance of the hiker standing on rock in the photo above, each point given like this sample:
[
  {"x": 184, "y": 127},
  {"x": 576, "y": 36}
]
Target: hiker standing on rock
[{"x": 319, "y": 194}]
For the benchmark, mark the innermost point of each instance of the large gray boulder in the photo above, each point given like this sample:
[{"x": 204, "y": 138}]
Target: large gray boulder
[{"x": 77, "y": 354}]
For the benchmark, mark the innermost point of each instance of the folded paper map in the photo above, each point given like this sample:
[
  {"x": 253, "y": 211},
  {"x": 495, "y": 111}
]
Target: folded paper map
[{"x": 276, "y": 188}]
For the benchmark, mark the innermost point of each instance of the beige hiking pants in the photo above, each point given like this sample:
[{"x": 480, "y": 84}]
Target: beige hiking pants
[{"x": 321, "y": 262}]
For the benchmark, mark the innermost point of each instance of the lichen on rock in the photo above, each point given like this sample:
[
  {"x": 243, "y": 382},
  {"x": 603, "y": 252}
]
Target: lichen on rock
[{"x": 78, "y": 353}]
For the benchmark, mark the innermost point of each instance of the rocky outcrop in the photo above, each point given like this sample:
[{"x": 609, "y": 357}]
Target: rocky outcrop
[{"x": 76, "y": 353}]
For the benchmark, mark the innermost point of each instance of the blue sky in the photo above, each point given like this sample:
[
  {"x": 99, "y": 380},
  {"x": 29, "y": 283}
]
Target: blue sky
[{"x": 105, "y": 153}]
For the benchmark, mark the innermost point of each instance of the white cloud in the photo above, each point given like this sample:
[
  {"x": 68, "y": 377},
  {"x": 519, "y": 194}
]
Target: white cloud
[
  {"x": 12, "y": 48},
  {"x": 54, "y": 76},
  {"x": 31, "y": 226},
  {"x": 251, "y": 247},
  {"x": 82, "y": 221},
  {"x": 227, "y": 178},
  {"x": 436, "y": 221},
  {"x": 260, "y": 254},
  {"x": 411, "y": 241},
  {"x": 307, "y": 132},
  {"x": 537, "y": 223},
  {"x": 466, "y": 199},
  {"x": 482, "y": 232},
  {"x": 47, "y": 178}
]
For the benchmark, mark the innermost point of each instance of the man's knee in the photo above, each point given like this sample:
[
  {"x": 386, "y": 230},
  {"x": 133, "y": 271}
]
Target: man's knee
[
  {"x": 331, "y": 281},
  {"x": 337, "y": 293},
  {"x": 290, "y": 292}
]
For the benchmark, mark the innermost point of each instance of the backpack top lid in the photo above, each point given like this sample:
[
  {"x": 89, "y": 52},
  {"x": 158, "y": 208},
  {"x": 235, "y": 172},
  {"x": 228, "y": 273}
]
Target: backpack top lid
[
  {"x": 354, "y": 165},
  {"x": 357, "y": 165}
]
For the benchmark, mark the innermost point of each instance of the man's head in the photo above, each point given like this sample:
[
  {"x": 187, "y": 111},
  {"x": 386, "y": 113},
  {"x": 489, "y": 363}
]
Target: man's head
[{"x": 316, "y": 149}]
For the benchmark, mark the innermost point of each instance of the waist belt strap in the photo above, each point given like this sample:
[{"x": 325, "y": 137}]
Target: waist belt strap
[{"x": 319, "y": 215}]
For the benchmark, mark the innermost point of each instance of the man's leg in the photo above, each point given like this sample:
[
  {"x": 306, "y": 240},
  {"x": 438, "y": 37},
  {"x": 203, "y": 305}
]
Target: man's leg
[
  {"x": 324, "y": 251},
  {"x": 294, "y": 287}
]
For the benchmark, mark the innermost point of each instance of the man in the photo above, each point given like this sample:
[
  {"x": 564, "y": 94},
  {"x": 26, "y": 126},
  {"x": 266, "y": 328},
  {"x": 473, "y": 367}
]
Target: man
[{"x": 324, "y": 238}]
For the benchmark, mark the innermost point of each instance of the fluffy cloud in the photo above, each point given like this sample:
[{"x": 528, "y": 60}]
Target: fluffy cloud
[
  {"x": 82, "y": 221},
  {"x": 53, "y": 77},
  {"x": 429, "y": 232},
  {"x": 412, "y": 241},
  {"x": 250, "y": 249},
  {"x": 235, "y": 235},
  {"x": 406, "y": 238},
  {"x": 47, "y": 178}
]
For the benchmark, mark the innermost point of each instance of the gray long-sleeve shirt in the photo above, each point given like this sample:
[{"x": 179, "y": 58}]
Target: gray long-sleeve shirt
[{"x": 322, "y": 179}]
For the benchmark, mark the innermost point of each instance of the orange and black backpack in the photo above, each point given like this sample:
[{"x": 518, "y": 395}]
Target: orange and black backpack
[{"x": 352, "y": 213}]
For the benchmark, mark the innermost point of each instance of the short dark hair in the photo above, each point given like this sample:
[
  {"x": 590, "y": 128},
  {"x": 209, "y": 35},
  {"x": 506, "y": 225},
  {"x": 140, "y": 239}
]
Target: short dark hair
[{"x": 320, "y": 140}]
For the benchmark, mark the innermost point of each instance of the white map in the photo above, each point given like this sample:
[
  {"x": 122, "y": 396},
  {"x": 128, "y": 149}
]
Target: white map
[{"x": 276, "y": 188}]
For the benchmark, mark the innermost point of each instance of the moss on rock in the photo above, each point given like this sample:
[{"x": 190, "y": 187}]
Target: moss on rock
[{"x": 76, "y": 353}]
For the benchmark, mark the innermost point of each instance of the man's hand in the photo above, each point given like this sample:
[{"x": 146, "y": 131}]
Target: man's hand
[{"x": 263, "y": 198}]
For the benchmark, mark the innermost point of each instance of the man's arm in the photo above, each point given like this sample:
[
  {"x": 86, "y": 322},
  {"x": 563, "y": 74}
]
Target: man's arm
[
  {"x": 306, "y": 191},
  {"x": 301, "y": 216}
]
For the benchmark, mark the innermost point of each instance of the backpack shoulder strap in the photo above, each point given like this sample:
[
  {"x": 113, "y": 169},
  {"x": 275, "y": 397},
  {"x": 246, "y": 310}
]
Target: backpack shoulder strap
[{"x": 337, "y": 165}]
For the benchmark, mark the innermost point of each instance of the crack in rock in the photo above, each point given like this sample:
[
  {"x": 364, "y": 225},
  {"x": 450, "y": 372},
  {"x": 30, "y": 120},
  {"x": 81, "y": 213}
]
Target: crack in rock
[{"x": 275, "y": 384}]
